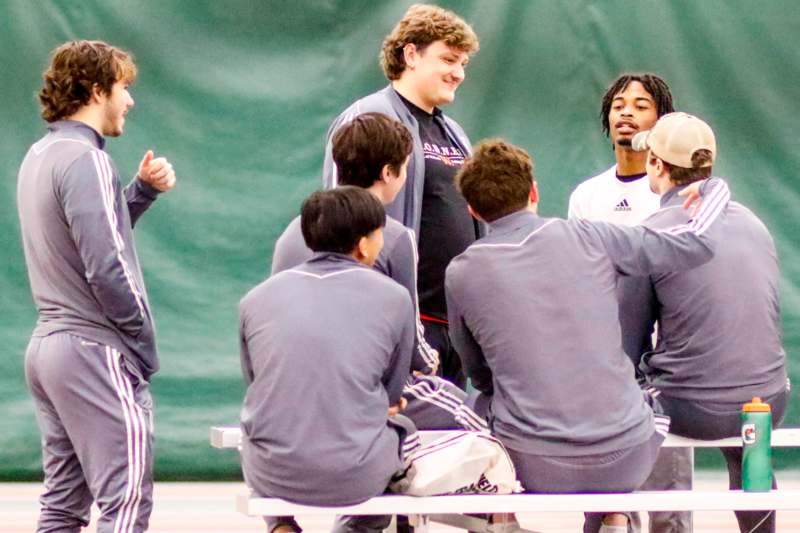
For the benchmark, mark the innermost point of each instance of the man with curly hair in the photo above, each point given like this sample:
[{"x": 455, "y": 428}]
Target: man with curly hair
[
  {"x": 92, "y": 352},
  {"x": 424, "y": 57}
]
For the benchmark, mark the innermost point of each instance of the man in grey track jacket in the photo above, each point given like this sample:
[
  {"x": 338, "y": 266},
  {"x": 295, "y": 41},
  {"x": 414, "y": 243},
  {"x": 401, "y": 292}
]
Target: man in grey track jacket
[
  {"x": 372, "y": 152},
  {"x": 93, "y": 349},
  {"x": 424, "y": 57},
  {"x": 337, "y": 334},
  {"x": 719, "y": 337},
  {"x": 534, "y": 316}
]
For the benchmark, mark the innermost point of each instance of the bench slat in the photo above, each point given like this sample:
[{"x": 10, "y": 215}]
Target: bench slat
[
  {"x": 230, "y": 437},
  {"x": 673, "y": 500}
]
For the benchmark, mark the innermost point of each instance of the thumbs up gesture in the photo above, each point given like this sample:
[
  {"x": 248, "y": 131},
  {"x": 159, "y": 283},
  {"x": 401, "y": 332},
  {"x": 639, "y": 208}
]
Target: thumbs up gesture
[{"x": 157, "y": 172}]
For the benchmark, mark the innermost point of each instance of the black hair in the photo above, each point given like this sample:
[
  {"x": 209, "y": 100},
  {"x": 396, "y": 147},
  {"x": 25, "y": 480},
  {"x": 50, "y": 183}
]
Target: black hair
[
  {"x": 335, "y": 220},
  {"x": 653, "y": 84}
]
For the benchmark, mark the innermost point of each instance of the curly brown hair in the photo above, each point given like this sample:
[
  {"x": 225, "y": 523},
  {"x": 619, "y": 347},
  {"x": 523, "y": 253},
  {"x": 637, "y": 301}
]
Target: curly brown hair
[
  {"x": 75, "y": 68},
  {"x": 496, "y": 179},
  {"x": 421, "y": 25}
]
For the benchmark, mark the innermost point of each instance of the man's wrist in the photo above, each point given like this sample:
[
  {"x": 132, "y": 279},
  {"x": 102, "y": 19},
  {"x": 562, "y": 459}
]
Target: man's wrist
[{"x": 145, "y": 188}]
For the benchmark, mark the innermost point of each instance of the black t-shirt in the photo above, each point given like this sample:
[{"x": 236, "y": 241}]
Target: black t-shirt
[{"x": 446, "y": 227}]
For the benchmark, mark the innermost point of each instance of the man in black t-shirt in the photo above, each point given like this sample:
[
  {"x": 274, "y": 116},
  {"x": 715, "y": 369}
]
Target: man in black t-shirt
[{"x": 425, "y": 57}]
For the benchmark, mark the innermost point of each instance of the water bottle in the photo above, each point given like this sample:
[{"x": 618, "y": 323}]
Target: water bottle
[{"x": 756, "y": 446}]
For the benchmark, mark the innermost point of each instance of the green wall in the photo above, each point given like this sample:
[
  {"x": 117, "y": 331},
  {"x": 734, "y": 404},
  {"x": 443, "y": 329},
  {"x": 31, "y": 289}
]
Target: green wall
[{"x": 239, "y": 94}]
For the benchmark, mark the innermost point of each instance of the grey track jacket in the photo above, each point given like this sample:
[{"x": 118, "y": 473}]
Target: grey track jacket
[
  {"x": 397, "y": 259},
  {"x": 534, "y": 316},
  {"x": 719, "y": 324},
  {"x": 77, "y": 232},
  {"x": 325, "y": 349},
  {"x": 407, "y": 207}
]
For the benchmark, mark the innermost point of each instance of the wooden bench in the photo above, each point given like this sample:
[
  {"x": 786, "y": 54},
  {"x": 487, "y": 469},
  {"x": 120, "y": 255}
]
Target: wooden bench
[{"x": 450, "y": 509}]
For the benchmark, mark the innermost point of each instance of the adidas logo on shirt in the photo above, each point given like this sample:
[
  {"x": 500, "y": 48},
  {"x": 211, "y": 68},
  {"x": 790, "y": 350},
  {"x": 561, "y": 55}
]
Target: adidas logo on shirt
[{"x": 623, "y": 205}]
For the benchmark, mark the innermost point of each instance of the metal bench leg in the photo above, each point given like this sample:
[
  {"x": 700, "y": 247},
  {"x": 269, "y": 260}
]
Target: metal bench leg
[
  {"x": 473, "y": 523},
  {"x": 420, "y": 522}
]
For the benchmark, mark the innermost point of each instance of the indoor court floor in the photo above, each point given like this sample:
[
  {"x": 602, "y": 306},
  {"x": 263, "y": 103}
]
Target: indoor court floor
[{"x": 205, "y": 507}]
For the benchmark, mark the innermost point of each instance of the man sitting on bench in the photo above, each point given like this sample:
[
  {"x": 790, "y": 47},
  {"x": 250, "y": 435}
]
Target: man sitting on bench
[
  {"x": 325, "y": 350},
  {"x": 534, "y": 315},
  {"x": 719, "y": 334}
]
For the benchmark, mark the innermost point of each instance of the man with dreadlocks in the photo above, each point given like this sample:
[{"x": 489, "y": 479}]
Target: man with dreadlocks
[{"x": 621, "y": 194}]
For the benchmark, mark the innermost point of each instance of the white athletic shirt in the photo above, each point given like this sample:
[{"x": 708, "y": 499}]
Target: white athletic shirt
[{"x": 606, "y": 198}]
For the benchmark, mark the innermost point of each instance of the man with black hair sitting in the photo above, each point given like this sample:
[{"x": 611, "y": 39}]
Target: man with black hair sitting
[{"x": 326, "y": 349}]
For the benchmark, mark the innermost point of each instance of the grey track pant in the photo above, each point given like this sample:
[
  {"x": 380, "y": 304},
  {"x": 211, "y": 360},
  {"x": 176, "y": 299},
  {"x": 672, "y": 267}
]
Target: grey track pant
[
  {"x": 355, "y": 524},
  {"x": 95, "y": 416},
  {"x": 674, "y": 470},
  {"x": 619, "y": 471},
  {"x": 435, "y": 403}
]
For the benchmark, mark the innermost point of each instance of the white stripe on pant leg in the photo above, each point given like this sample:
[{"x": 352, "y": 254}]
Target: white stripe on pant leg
[
  {"x": 464, "y": 411},
  {"x": 143, "y": 437},
  {"x": 425, "y": 387},
  {"x": 124, "y": 517},
  {"x": 429, "y": 398},
  {"x": 471, "y": 419},
  {"x": 136, "y": 436},
  {"x": 129, "y": 438},
  {"x": 437, "y": 394},
  {"x": 141, "y": 457},
  {"x": 440, "y": 398}
]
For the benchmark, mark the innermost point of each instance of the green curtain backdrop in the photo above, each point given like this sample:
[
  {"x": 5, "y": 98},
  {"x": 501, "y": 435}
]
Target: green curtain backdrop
[{"x": 239, "y": 94}]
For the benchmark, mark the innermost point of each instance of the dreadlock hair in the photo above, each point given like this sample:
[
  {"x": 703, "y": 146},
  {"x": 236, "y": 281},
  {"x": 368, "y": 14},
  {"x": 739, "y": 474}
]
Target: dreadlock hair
[{"x": 653, "y": 84}]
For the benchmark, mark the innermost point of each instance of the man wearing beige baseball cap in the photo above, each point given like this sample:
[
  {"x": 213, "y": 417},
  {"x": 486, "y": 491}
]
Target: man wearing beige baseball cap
[
  {"x": 679, "y": 144},
  {"x": 719, "y": 341}
]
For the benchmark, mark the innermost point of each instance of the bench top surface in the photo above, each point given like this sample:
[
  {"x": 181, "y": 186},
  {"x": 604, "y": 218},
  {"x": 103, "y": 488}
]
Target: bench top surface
[
  {"x": 673, "y": 500},
  {"x": 230, "y": 437}
]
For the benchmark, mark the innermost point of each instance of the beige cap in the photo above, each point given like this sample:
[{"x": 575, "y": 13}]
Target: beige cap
[{"x": 676, "y": 137}]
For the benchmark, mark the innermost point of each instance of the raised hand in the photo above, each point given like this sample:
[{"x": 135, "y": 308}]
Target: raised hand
[{"x": 156, "y": 172}]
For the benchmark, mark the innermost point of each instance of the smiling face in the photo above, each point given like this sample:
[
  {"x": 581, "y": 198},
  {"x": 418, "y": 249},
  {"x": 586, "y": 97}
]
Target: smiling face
[
  {"x": 434, "y": 73},
  {"x": 115, "y": 106},
  {"x": 632, "y": 110}
]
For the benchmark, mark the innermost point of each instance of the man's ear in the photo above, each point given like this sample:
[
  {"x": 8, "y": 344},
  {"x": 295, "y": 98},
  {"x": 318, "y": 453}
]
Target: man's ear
[
  {"x": 98, "y": 95},
  {"x": 474, "y": 214},
  {"x": 387, "y": 173},
  {"x": 361, "y": 249},
  {"x": 657, "y": 163},
  {"x": 410, "y": 54},
  {"x": 534, "y": 194},
  {"x": 662, "y": 168}
]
